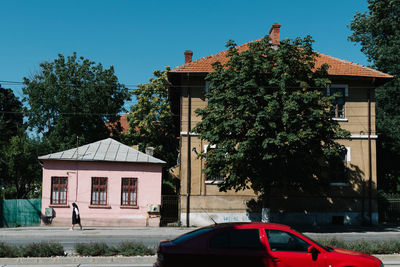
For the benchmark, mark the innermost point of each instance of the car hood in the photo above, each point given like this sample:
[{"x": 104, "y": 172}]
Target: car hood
[{"x": 354, "y": 253}]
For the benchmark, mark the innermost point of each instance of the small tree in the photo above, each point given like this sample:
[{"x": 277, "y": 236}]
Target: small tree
[
  {"x": 151, "y": 122},
  {"x": 269, "y": 120},
  {"x": 22, "y": 172},
  {"x": 73, "y": 97}
]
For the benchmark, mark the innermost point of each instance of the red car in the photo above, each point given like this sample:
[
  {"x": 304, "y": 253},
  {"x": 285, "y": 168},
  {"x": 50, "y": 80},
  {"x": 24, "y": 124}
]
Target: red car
[{"x": 254, "y": 245}]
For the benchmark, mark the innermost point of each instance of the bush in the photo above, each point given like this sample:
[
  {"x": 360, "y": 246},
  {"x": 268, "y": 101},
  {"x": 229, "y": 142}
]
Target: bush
[
  {"x": 369, "y": 247},
  {"x": 32, "y": 250},
  {"x": 7, "y": 251},
  {"x": 42, "y": 250},
  {"x": 134, "y": 249},
  {"x": 92, "y": 249},
  {"x": 102, "y": 249}
]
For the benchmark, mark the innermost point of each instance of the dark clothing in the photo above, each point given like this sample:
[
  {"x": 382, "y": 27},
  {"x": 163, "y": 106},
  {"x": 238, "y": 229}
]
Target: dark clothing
[{"x": 76, "y": 218}]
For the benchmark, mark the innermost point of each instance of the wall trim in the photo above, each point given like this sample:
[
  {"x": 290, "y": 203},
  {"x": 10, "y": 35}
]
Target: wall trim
[
  {"x": 363, "y": 136},
  {"x": 191, "y": 134}
]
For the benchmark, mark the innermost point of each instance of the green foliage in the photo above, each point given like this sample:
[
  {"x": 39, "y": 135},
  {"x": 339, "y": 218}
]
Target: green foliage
[
  {"x": 378, "y": 32},
  {"x": 73, "y": 97},
  {"x": 102, "y": 249},
  {"x": 269, "y": 118},
  {"x": 21, "y": 170},
  {"x": 32, "y": 250},
  {"x": 7, "y": 251},
  {"x": 134, "y": 249},
  {"x": 42, "y": 250},
  {"x": 10, "y": 115},
  {"x": 11, "y": 124},
  {"x": 94, "y": 249},
  {"x": 151, "y": 122},
  {"x": 364, "y": 246}
]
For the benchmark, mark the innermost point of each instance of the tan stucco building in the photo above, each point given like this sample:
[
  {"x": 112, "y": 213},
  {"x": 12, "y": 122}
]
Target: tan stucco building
[{"x": 348, "y": 201}]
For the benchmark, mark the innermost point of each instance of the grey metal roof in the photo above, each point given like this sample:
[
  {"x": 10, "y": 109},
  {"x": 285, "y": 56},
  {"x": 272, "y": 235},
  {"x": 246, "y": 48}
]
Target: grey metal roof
[{"x": 104, "y": 150}]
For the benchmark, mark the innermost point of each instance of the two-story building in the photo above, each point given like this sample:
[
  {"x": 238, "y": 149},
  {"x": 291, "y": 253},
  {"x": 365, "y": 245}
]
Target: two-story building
[{"x": 346, "y": 203}]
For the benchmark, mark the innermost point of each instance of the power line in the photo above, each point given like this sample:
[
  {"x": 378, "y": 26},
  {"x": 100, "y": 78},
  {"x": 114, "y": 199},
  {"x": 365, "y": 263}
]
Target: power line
[{"x": 135, "y": 86}]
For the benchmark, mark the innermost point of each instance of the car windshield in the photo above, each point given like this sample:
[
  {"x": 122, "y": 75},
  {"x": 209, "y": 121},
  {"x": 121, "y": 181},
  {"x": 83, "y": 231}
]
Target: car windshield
[{"x": 190, "y": 235}]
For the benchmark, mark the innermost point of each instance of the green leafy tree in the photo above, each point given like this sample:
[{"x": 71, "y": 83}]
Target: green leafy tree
[
  {"x": 268, "y": 119},
  {"x": 22, "y": 172},
  {"x": 378, "y": 33},
  {"x": 151, "y": 124},
  {"x": 73, "y": 98},
  {"x": 11, "y": 117},
  {"x": 11, "y": 123}
]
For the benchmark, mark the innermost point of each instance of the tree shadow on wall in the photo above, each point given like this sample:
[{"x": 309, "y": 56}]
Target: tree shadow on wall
[{"x": 349, "y": 201}]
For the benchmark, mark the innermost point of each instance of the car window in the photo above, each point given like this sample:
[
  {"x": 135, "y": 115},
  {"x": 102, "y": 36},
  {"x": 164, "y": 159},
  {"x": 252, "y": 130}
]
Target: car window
[
  {"x": 190, "y": 235},
  {"x": 284, "y": 241},
  {"x": 237, "y": 239}
]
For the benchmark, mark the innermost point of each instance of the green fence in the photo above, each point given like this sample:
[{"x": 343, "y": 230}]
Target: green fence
[{"x": 20, "y": 212}]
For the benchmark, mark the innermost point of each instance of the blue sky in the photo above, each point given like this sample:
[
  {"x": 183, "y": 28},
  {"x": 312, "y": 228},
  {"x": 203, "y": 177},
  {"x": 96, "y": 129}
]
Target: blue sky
[{"x": 137, "y": 37}]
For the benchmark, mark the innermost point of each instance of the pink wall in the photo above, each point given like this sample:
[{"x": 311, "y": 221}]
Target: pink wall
[{"x": 79, "y": 191}]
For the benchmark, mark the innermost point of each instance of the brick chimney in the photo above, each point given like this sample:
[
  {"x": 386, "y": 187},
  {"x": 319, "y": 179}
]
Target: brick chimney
[
  {"x": 188, "y": 56},
  {"x": 274, "y": 34},
  {"x": 150, "y": 150}
]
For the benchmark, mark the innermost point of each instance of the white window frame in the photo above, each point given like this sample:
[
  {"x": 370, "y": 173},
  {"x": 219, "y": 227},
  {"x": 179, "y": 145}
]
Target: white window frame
[{"x": 346, "y": 94}]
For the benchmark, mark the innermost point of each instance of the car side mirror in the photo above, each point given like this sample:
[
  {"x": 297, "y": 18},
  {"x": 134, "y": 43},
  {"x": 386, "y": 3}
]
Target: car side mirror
[{"x": 312, "y": 250}]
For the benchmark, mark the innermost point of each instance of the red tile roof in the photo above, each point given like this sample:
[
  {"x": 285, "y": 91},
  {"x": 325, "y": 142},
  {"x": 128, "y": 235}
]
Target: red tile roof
[
  {"x": 337, "y": 66},
  {"x": 124, "y": 124}
]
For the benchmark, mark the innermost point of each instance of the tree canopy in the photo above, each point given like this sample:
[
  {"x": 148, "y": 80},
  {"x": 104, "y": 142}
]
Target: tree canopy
[
  {"x": 151, "y": 122},
  {"x": 268, "y": 119},
  {"x": 19, "y": 169},
  {"x": 73, "y": 97},
  {"x": 378, "y": 33},
  {"x": 11, "y": 117},
  {"x": 22, "y": 172}
]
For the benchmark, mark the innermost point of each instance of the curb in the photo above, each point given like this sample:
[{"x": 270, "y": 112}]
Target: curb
[
  {"x": 78, "y": 260},
  {"x": 389, "y": 260}
]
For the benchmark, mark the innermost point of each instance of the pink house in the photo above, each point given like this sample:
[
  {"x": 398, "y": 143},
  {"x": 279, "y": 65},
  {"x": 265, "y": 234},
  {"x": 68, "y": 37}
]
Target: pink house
[{"x": 112, "y": 184}]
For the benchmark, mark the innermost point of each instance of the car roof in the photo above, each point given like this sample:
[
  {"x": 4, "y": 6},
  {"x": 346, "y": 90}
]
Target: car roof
[{"x": 249, "y": 224}]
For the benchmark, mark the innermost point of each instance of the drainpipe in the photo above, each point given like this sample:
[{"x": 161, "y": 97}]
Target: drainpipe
[
  {"x": 189, "y": 160},
  {"x": 77, "y": 167},
  {"x": 369, "y": 158}
]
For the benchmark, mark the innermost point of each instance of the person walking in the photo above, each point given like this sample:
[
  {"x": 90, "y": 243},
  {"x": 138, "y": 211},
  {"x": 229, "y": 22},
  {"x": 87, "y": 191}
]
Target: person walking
[{"x": 76, "y": 217}]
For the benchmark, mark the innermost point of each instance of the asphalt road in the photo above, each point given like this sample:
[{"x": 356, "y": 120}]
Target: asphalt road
[
  {"x": 82, "y": 265},
  {"x": 151, "y": 237},
  {"x": 67, "y": 238}
]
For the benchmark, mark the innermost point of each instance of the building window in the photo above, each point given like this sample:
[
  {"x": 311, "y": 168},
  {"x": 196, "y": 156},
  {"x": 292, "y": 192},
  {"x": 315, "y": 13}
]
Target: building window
[
  {"x": 59, "y": 188},
  {"x": 129, "y": 192},
  {"x": 99, "y": 191},
  {"x": 339, "y": 91},
  {"x": 339, "y": 168}
]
